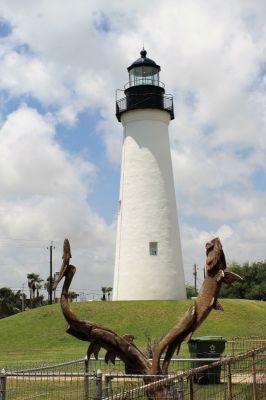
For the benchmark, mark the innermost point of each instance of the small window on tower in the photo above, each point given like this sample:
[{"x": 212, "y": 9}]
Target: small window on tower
[{"x": 153, "y": 248}]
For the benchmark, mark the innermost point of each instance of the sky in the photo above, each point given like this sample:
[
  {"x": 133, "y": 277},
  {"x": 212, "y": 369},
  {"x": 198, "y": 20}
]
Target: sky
[{"x": 61, "y": 62}]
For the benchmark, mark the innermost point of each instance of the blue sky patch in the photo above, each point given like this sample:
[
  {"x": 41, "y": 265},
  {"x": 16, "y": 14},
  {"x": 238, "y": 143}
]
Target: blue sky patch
[
  {"x": 23, "y": 48},
  {"x": 105, "y": 195},
  {"x": 244, "y": 153},
  {"x": 259, "y": 179},
  {"x": 37, "y": 105},
  {"x": 208, "y": 129},
  {"x": 83, "y": 137},
  {"x": 102, "y": 23},
  {"x": 190, "y": 99},
  {"x": 5, "y": 27},
  {"x": 85, "y": 140},
  {"x": 198, "y": 221},
  {"x": 10, "y": 103}
]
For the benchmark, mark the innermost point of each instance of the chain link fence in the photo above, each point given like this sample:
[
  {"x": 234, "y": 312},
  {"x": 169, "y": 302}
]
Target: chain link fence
[
  {"x": 241, "y": 344},
  {"x": 67, "y": 380},
  {"x": 241, "y": 376}
]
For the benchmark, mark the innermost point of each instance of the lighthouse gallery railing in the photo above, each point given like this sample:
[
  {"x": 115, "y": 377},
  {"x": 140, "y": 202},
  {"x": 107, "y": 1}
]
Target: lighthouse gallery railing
[{"x": 141, "y": 101}]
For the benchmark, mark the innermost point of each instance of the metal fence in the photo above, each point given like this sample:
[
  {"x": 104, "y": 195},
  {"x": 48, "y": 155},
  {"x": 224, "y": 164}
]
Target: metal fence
[
  {"x": 241, "y": 377},
  {"x": 241, "y": 344},
  {"x": 236, "y": 377},
  {"x": 233, "y": 346},
  {"x": 64, "y": 381}
]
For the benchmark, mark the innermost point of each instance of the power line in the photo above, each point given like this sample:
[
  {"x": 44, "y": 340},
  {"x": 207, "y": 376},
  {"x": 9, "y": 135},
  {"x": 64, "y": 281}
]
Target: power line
[
  {"x": 24, "y": 239},
  {"x": 57, "y": 241},
  {"x": 26, "y": 289}
]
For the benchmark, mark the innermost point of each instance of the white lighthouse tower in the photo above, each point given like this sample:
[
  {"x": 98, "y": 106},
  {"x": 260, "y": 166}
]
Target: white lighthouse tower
[{"x": 148, "y": 263}]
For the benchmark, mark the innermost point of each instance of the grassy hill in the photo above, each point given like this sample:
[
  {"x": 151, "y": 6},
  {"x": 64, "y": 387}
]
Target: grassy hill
[{"x": 39, "y": 335}]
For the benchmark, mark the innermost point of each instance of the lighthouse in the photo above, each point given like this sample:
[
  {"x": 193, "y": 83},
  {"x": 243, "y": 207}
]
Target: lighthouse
[{"x": 148, "y": 261}]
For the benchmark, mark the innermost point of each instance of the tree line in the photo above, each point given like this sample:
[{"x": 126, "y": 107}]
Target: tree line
[
  {"x": 253, "y": 286},
  {"x": 12, "y": 302}
]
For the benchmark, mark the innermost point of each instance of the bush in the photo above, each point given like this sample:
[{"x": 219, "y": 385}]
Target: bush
[{"x": 252, "y": 287}]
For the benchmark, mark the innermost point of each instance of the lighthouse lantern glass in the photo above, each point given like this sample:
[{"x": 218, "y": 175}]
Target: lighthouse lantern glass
[{"x": 144, "y": 75}]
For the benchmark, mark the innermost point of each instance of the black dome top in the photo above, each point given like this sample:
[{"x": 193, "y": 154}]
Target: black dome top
[{"x": 144, "y": 61}]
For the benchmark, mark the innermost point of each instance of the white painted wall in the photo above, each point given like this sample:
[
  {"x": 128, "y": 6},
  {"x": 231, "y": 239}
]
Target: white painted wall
[{"x": 147, "y": 213}]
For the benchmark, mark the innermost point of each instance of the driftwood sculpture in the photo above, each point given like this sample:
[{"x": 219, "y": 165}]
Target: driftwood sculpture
[{"x": 122, "y": 346}]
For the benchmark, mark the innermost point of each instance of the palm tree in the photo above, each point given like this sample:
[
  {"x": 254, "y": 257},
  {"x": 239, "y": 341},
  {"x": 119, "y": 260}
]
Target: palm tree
[
  {"x": 104, "y": 291},
  {"x": 72, "y": 296},
  {"x": 34, "y": 281},
  {"x": 47, "y": 285},
  {"x": 39, "y": 298},
  {"x": 109, "y": 290}
]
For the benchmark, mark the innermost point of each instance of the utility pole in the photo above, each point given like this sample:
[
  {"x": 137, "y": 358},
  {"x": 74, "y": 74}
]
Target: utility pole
[
  {"x": 56, "y": 275},
  {"x": 195, "y": 279},
  {"x": 51, "y": 273},
  {"x": 22, "y": 299}
]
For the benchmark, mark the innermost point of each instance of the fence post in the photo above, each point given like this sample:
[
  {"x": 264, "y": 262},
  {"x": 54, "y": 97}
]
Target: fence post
[
  {"x": 228, "y": 381},
  {"x": 108, "y": 391},
  {"x": 254, "y": 375},
  {"x": 3, "y": 384},
  {"x": 86, "y": 378},
  {"x": 180, "y": 390},
  {"x": 99, "y": 376},
  {"x": 191, "y": 387}
]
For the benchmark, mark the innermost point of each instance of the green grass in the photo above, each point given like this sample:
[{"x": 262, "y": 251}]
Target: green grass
[
  {"x": 49, "y": 389},
  {"x": 38, "y": 336},
  {"x": 66, "y": 389}
]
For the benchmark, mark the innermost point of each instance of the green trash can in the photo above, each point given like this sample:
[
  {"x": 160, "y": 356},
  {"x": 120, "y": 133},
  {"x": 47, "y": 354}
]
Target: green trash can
[{"x": 206, "y": 347}]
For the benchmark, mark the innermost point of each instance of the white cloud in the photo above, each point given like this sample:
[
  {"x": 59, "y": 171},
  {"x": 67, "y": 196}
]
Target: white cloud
[
  {"x": 24, "y": 74},
  {"x": 44, "y": 196},
  {"x": 32, "y": 163},
  {"x": 242, "y": 241}
]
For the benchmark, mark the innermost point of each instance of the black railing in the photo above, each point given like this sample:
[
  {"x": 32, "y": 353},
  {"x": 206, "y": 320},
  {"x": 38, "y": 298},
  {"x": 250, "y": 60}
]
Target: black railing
[
  {"x": 144, "y": 81},
  {"x": 144, "y": 101}
]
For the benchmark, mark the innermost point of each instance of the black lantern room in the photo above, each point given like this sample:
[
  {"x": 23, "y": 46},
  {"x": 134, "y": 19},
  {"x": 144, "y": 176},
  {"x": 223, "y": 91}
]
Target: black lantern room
[
  {"x": 144, "y": 89},
  {"x": 144, "y": 71}
]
